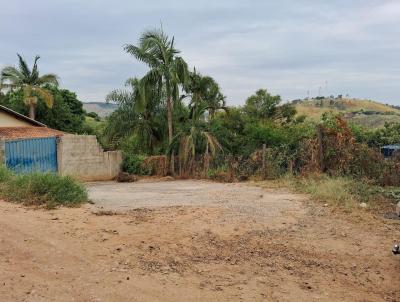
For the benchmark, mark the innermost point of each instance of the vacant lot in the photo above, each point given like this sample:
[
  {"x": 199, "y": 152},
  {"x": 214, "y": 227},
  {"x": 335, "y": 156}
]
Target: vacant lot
[{"x": 195, "y": 241}]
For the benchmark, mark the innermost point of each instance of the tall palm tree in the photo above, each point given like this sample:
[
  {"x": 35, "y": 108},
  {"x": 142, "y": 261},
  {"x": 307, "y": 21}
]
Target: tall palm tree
[
  {"x": 30, "y": 82},
  {"x": 167, "y": 70}
]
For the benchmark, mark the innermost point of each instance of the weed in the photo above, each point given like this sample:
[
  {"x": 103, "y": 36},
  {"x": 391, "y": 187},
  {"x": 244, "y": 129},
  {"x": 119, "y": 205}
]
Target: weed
[{"x": 46, "y": 189}]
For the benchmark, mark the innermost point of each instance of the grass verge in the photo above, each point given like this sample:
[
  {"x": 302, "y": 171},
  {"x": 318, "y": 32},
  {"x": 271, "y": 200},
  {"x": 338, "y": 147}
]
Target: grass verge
[
  {"x": 50, "y": 190},
  {"x": 337, "y": 191}
]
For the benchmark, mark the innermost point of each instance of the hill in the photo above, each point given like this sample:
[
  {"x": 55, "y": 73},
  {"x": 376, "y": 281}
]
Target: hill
[
  {"x": 102, "y": 109},
  {"x": 363, "y": 112}
]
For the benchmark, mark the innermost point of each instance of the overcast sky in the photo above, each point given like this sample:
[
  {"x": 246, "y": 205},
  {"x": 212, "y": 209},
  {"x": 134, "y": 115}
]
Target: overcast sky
[{"x": 287, "y": 46}]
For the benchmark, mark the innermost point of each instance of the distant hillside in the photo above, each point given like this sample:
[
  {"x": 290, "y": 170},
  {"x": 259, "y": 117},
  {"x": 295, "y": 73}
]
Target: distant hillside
[
  {"x": 363, "y": 112},
  {"x": 102, "y": 109}
]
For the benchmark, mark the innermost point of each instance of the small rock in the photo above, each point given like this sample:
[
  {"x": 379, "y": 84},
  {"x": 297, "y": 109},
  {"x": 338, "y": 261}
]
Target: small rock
[
  {"x": 398, "y": 209},
  {"x": 363, "y": 205}
]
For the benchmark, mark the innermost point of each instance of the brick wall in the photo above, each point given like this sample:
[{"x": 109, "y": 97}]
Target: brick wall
[{"x": 81, "y": 156}]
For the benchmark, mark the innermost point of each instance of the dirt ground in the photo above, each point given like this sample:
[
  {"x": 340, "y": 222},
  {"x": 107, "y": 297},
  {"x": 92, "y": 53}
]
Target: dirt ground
[{"x": 196, "y": 241}]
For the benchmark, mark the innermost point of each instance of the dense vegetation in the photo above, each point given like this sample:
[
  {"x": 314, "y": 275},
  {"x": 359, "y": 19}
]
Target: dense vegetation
[
  {"x": 39, "y": 97},
  {"x": 30, "y": 83},
  {"x": 66, "y": 114}
]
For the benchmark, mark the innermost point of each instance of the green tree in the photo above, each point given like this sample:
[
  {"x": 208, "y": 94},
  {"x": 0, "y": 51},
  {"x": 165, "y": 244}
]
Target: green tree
[
  {"x": 263, "y": 105},
  {"x": 30, "y": 82},
  {"x": 193, "y": 139},
  {"x": 135, "y": 130},
  {"x": 204, "y": 90},
  {"x": 167, "y": 70},
  {"x": 66, "y": 114}
]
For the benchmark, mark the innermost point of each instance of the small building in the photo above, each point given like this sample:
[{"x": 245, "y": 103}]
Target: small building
[
  {"x": 27, "y": 145},
  {"x": 390, "y": 150}
]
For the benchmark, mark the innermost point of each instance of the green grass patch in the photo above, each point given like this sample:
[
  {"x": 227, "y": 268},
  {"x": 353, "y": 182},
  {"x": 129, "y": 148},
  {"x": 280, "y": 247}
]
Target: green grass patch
[{"x": 48, "y": 189}]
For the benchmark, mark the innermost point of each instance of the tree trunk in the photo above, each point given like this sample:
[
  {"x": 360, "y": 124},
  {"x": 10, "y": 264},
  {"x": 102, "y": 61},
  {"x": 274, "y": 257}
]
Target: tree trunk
[
  {"x": 170, "y": 132},
  {"x": 32, "y": 111},
  {"x": 206, "y": 162},
  {"x": 169, "y": 116}
]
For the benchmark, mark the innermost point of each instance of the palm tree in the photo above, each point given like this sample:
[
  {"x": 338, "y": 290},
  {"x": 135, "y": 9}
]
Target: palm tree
[
  {"x": 167, "y": 70},
  {"x": 195, "y": 139},
  {"x": 131, "y": 119},
  {"x": 30, "y": 82},
  {"x": 205, "y": 90}
]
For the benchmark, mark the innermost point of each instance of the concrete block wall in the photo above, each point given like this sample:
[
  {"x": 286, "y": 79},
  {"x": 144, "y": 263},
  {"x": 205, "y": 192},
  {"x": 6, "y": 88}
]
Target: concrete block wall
[{"x": 82, "y": 157}]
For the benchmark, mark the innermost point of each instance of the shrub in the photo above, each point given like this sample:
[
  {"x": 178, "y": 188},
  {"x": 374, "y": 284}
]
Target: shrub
[
  {"x": 46, "y": 189},
  {"x": 133, "y": 164}
]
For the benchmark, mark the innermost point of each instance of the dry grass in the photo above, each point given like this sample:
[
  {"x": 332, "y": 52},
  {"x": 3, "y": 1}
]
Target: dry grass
[
  {"x": 336, "y": 191},
  {"x": 313, "y": 112}
]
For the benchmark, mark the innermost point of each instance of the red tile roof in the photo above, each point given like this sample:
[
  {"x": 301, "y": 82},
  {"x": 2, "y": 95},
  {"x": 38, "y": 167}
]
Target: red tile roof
[{"x": 28, "y": 132}]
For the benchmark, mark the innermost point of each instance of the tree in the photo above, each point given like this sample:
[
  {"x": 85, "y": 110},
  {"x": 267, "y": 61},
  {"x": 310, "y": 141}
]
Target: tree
[
  {"x": 204, "y": 90},
  {"x": 265, "y": 106},
  {"x": 66, "y": 114},
  {"x": 30, "y": 82},
  {"x": 167, "y": 70},
  {"x": 193, "y": 139},
  {"x": 141, "y": 129}
]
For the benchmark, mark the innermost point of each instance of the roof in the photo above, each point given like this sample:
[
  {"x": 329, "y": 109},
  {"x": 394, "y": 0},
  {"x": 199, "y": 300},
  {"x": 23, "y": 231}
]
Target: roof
[
  {"x": 9, "y": 133},
  {"x": 393, "y": 147},
  {"x": 21, "y": 116}
]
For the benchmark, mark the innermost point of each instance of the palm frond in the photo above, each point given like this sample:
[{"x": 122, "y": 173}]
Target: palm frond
[
  {"x": 23, "y": 67},
  {"x": 35, "y": 72},
  {"x": 27, "y": 90},
  {"x": 12, "y": 75},
  {"x": 141, "y": 55},
  {"x": 45, "y": 94},
  {"x": 49, "y": 78}
]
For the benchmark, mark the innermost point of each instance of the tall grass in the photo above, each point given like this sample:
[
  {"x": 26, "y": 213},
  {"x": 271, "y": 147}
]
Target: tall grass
[
  {"x": 5, "y": 174},
  {"x": 46, "y": 189}
]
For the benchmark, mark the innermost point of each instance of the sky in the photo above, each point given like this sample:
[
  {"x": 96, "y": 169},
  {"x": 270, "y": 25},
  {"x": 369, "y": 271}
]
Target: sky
[{"x": 290, "y": 47}]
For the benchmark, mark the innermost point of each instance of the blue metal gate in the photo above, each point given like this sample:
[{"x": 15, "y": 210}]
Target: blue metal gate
[{"x": 32, "y": 155}]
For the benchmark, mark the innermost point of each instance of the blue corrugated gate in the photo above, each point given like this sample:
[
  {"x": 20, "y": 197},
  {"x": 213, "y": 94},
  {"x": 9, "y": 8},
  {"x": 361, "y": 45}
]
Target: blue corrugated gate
[{"x": 32, "y": 155}]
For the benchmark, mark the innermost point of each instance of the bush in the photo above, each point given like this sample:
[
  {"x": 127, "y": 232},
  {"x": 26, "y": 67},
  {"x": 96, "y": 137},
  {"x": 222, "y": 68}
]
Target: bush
[
  {"x": 133, "y": 164},
  {"x": 46, "y": 189}
]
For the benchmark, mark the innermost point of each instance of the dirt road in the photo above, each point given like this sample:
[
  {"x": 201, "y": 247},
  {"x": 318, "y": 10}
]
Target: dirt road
[{"x": 195, "y": 241}]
